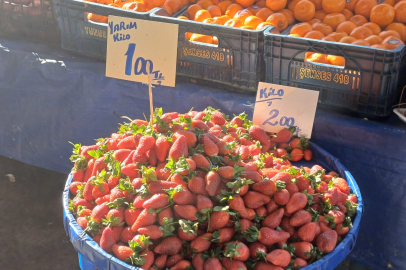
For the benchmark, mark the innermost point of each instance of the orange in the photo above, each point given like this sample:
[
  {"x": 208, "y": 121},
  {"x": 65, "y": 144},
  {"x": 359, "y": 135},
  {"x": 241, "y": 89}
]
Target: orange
[
  {"x": 323, "y": 28},
  {"x": 335, "y": 60},
  {"x": 329, "y": 38},
  {"x": 378, "y": 46},
  {"x": 388, "y": 33},
  {"x": 223, "y": 5},
  {"x": 201, "y": 38},
  {"x": 242, "y": 15},
  {"x": 193, "y": 9},
  {"x": 254, "y": 9},
  {"x": 308, "y": 55},
  {"x": 205, "y": 3},
  {"x": 215, "y": 41},
  {"x": 247, "y": 27},
  {"x": 188, "y": 35},
  {"x": 278, "y": 20},
  {"x": 347, "y": 27},
  {"x": 289, "y": 15},
  {"x": 391, "y": 42},
  {"x": 175, "y": 5},
  {"x": 183, "y": 18},
  {"x": 245, "y": 3},
  {"x": 129, "y": 5},
  {"x": 398, "y": 27},
  {"x": 400, "y": 12},
  {"x": 234, "y": 23},
  {"x": 347, "y": 13},
  {"x": 337, "y": 36},
  {"x": 334, "y": 19},
  {"x": 382, "y": 15},
  {"x": 347, "y": 40},
  {"x": 232, "y": 10},
  {"x": 313, "y": 21},
  {"x": 376, "y": 29},
  {"x": 351, "y": 4},
  {"x": 93, "y": 17},
  {"x": 389, "y": 2},
  {"x": 317, "y": 4},
  {"x": 184, "y": 3},
  {"x": 294, "y": 35},
  {"x": 301, "y": 29},
  {"x": 104, "y": 2},
  {"x": 264, "y": 13},
  {"x": 361, "y": 32},
  {"x": 104, "y": 19},
  {"x": 114, "y": 5},
  {"x": 214, "y": 11},
  {"x": 261, "y": 3},
  {"x": 364, "y": 7},
  {"x": 292, "y": 4},
  {"x": 374, "y": 39},
  {"x": 333, "y": 6},
  {"x": 318, "y": 58},
  {"x": 140, "y": 7},
  {"x": 167, "y": 9},
  {"x": 210, "y": 21},
  {"x": 359, "y": 20},
  {"x": 222, "y": 19},
  {"x": 361, "y": 42},
  {"x": 314, "y": 35},
  {"x": 276, "y": 5},
  {"x": 121, "y": 2},
  {"x": 304, "y": 11},
  {"x": 253, "y": 21},
  {"x": 263, "y": 25},
  {"x": 320, "y": 14},
  {"x": 202, "y": 15}
]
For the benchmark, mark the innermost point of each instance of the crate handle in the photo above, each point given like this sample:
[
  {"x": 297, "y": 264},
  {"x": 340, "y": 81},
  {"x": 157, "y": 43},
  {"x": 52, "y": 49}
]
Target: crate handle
[{"x": 400, "y": 100}]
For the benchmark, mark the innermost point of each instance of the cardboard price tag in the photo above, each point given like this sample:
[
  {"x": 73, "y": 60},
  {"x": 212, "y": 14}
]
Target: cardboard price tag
[
  {"x": 136, "y": 48},
  {"x": 279, "y": 106}
]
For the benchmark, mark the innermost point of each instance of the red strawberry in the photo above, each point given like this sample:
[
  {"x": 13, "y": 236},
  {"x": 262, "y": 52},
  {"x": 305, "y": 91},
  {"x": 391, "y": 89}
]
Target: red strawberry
[
  {"x": 303, "y": 249},
  {"x": 82, "y": 202},
  {"x": 82, "y": 222},
  {"x": 160, "y": 261},
  {"x": 129, "y": 159},
  {"x": 279, "y": 257},
  {"x": 186, "y": 211},
  {"x": 222, "y": 146},
  {"x": 139, "y": 201},
  {"x": 131, "y": 170},
  {"x": 145, "y": 144},
  {"x": 73, "y": 187},
  {"x": 296, "y": 154},
  {"x": 162, "y": 148},
  {"x": 159, "y": 200},
  {"x": 285, "y": 225},
  {"x": 197, "y": 185},
  {"x": 212, "y": 182},
  {"x": 138, "y": 158},
  {"x": 99, "y": 212},
  {"x": 179, "y": 148},
  {"x": 116, "y": 193},
  {"x": 198, "y": 261},
  {"x": 271, "y": 206},
  {"x": 113, "y": 181},
  {"x": 255, "y": 199},
  {"x": 169, "y": 246},
  {"x": 250, "y": 175},
  {"x": 99, "y": 166},
  {"x": 223, "y": 235},
  {"x": 212, "y": 264},
  {"x": 181, "y": 265},
  {"x": 244, "y": 152},
  {"x": 218, "y": 220},
  {"x": 201, "y": 161},
  {"x": 78, "y": 176},
  {"x": 152, "y": 157},
  {"x": 159, "y": 186},
  {"x": 307, "y": 232},
  {"x": 121, "y": 154},
  {"x": 210, "y": 148},
  {"x": 282, "y": 197},
  {"x": 283, "y": 135},
  {"x": 184, "y": 197},
  {"x": 117, "y": 232},
  {"x": 87, "y": 191},
  {"x": 237, "y": 203},
  {"x": 203, "y": 202},
  {"x": 261, "y": 265},
  {"x": 243, "y": 190},
  {"x": 352, "y": 198},
  {"x": 261, "y": 211},
  {"x": 201, "y": 243},
  {"x": 337, "y": 215},
  {"x": 229, "y": 264},
  {"x": 178, "y": 179},
  {"x": 258, "y": 133},
  {"x": 327, "y": 241},
  {"x": 127, "y": 235},
  {"x": 226, "y": 172},
  {"x": 299, "y": 263},
  {"x": 190, "y": 137},
  {"x": 341, "y": 184},
  {"x": 300, "y": 218},
  {"x": 149, "y": 259},
  {"x": 269, "y": 236},
  {"x": 340, "y": 230},
  {"x": 152, "y": 231},
  {"x": 266, "y": 187},
  {"x": 100, "y": 189},
  {"x": 85, "y": 212},
  {"x": 166, "y": 213},
  {"x": 273, "y": 219},
  {"x": 127, "y": 143},
  {"x": 173, "y": 260},
  {"x": 144, "y": 219},
  {"x": 117, "y": 214},
  {"x": 107, "y": 240},
  {"x": 297, "y": 201},
  {"x": 84, "y": 152},
  {"x": 245, "y": 224},
  {"x": 122, "y": 252},
  {"x": 185, "y": 236},
  {"x": 257, "y": 248},
  {"x": 218, "y": 118}
]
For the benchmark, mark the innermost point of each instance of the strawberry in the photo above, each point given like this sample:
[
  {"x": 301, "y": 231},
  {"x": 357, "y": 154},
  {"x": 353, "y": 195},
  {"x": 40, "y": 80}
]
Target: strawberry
[
  {"x": 303, "y": 250},
  {"x": 212, "y": 264},
  {"x": 111, "y": 145},
  {"x": 299, "y": 263},
  {"x": 179, "y": 148},
  {"x": 261, "y": 265},
  {"x": 244, "y": 152},
  {"x": 137, "y": 158},
  {"x": 210, "y": 136},
  {"x": 223, "y": 235},
  {"x": 100, "y": 189},
  {"x": 337, "y": 215},
  {"x": 149, "y": 259},
  {"x": 127, "y": 143},
  {"x": 218, "y": 220},
  {"x": 87, "y": 191},
  {"x": 181, "y": 265},
  {"x": 152, "y": 231},
  {"x": 74, "y": 187},
  {"x": 266, "y": 187},
  {"x": 126, "y": 235},
  {"x": 197, "y": 185},
  {"x": 166, "y": 213},
  {"x": 308, "y": 154},
  {"x": 226, "y": 172},
  {"x": 158, "y": 200},
  {"x": 279, "y": 257},
  {"x": 141, "y": 241},
  {"x": 281, "y": 153},
  {"x": 129, "y": 158},
  {"x": 257, "y": 249},
  {"x": 144, "y": 219},
  {"x": 223, "y": 149},
  {"x": 173, "y": 260},
  {"x": 160, "y": 261},
  {"x": 218, "y": 118},
  {"x": 327, "y": 241},
  {"x": 78, "y": 176},
  {"x": 186, "y": 211},
  {"x": 122, "y": 252},
  {"x": 203, "y": 202},
  {"x": 113, "y": 181},
  {"x": 258, "y": 133},
  {"x": 212, "y": 182},
  {"x": 145, "y": 144},
  {"x": 255, "y": 199},
  {"x": 341, "y": 184},
  {"x": 269, "y": 236},
  {"x": 300, "y": 218},
  {"x": 324, "y": 227},
  {"x": 130, "y": 170},
  {"x": 245, "y": 224},
  {"x": 169, "y": 246},
  {"x": 201, "y": 243},
  {"x": 183, "y": 197},
  {"x": 271, "y": 206},
  {"x": 162, "y": 147},
  {"x": 210, "y": 148},
  {"x": 186, "y": 236},
  {"x": 107, "y": 240},
  {"x": 282, "y": 197},
  {"x": 139, "y": 200},
  {"x": 79, "y": 201},
  {"x": 236, "y": 251},
  {"x": 261, "y": 211},
  {"x": 84, "y": 212},
  {"x": 229, "y": 264},
  {"x": 284, "y": 135},
  {"x": 99, "y": 166},
  {"x": 82, "y": 222},
  {"x": 291, "y": 188},
  {"x": 201, "y": 161},
  {"x": 237, "y": 203},
  {"x": 273, "y": 219},
  {"x": 250, "y": 214},
  {"x": 250, "y": 175},
  {"x": 296, "y": 154},
  {"x": 99, "y": 212},
  {"x": 190, "y": 137},
  {"x": 116, "y": 193},
  {"x": 160, "y": 186},
  {"x": 285, "y": 225},
  {"x": 84, "y": 152},
  {"x": 307, "y": 232},
  {"x": 152, "y": 157},
  {"x": 297, "y": 201},
  {"x": 117, "y": 230}
]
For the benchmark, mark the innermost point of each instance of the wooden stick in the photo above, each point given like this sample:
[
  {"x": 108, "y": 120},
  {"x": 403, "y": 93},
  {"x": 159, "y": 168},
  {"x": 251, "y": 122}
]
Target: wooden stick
[{"x": 151, "y": 103}]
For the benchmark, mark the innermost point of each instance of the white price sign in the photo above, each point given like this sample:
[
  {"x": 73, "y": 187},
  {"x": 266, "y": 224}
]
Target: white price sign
[
  {"x": 137, "y": 48},
  {"x": 279, "y": 106}
]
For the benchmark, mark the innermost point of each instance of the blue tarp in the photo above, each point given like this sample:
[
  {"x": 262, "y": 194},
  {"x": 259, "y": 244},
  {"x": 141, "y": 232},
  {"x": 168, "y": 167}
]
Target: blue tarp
[{"x": 49, "y": 97}]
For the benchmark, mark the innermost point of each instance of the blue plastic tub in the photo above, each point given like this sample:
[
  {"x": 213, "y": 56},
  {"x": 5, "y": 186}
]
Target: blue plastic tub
[
  {"x": 92, "y": 257},
  {"x": 369, "y": 84}
]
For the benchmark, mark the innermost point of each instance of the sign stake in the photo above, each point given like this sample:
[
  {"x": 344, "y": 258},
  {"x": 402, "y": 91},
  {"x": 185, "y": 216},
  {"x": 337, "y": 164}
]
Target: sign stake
[{"x": 151, "y": 102}]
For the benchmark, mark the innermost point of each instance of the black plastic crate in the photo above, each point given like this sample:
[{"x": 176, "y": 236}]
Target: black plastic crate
[
  {"x": 236, "y": 63},
  {"x": 369, "y": 84},
  {"x": 29, "y": 19}
]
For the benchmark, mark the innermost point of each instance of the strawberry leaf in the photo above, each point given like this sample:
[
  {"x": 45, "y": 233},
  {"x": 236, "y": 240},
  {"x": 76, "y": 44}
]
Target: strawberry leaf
[
  {"x": 309, "y": 198},
  {"x": 189, "y": 227},
  {"x": 148, "y": 174},
  {"x": 71, "y": 206},
  {"x": 280, "y": 185},
  {"x": 234, "y": 158},
  {"x": 330, "y": 220},
  {"x": 93, "y": 228},
  {"x": 79, "y": 160},
  {"x": 260, "y": 164},
  {"x": 125, "y": 185},
  {"x": 261, "y": 255},
  {"x": 351, "y": 207},
  {"x": 252, "y": 234},
  {"x": 197, "y": 150},
  {"x": 291, "y": 249},
  {"x": 143, "y": 191},
  {"x": 315, "y": 215},
  {"x": 238, "y": 170},
  {"x": 167, "y": 227},
  {"x": 172, "y": 191},
  {"x": 117, "y": 203},
  {"x": 347, "y": 223},
  {"x": 292, "y": 171},
  {"x": 238, "y": 184},
  {"x": 232, "y": 249}
]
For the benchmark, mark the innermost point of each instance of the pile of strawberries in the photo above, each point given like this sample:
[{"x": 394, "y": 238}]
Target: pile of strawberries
[{"x": 198, "y": 191}]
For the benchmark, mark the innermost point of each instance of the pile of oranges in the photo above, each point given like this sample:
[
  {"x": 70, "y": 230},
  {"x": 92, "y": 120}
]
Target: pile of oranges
[{"x": 171, "y": 6}]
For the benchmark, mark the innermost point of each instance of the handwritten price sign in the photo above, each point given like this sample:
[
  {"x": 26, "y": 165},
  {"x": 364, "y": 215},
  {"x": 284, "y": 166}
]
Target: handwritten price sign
[
  {"x": 279, "y": 106},
  {"x": 136, "y": 48}
]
